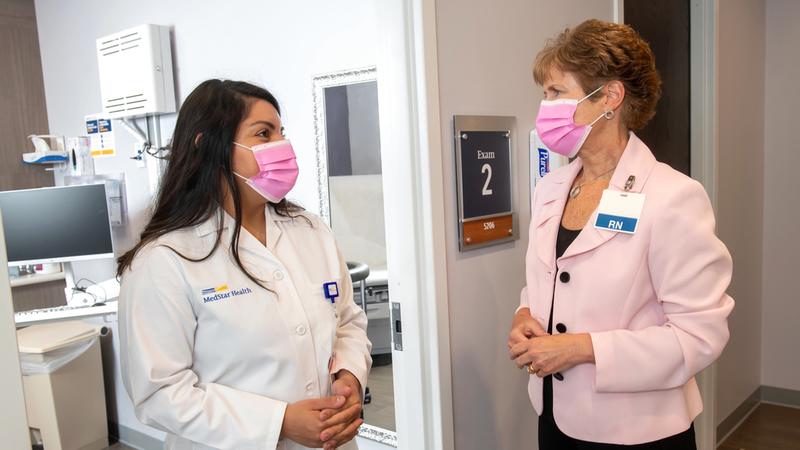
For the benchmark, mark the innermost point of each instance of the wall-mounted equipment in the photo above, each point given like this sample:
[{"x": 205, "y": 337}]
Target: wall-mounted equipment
[
  {"x": 80, "y": 157},
  {"x": 49, "y": 149},
  {"x": 136, "y": 72},
  {"x": 484, "y": 174}
]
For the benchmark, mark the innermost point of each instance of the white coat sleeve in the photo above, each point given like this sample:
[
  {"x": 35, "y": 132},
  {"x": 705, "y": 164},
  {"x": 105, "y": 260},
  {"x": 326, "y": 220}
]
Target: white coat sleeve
[
  {"x": 157, "y": 325},
  {"x": 690, "y": 270},
  {"x": 352, "y": 346}
]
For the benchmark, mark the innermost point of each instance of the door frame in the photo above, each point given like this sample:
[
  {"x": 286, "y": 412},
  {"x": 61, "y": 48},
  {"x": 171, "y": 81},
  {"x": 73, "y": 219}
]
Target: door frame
[
  {"x": 411, "y": 160},
  {"x": 703, "y": 32},
  {"x": 13, "y": 416}
]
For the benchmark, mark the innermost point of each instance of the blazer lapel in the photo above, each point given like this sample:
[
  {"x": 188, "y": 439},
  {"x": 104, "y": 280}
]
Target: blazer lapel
[
  {"x": 638, "y": 161},
  {"x": 550, "y": 209}
]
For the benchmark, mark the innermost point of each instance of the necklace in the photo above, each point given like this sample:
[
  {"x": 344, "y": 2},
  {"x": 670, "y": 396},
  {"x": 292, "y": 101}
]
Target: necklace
[{"x": 576, "y": 191}]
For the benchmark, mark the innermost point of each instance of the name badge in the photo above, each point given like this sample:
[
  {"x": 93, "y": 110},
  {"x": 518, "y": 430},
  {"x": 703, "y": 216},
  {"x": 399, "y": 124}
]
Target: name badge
[
  {"x": 331, "y": 291},
  {"x": 619, "y": 211}
]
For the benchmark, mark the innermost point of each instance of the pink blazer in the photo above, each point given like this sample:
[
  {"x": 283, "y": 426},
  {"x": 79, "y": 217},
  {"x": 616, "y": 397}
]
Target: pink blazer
[{"x": 654, "y": 304}]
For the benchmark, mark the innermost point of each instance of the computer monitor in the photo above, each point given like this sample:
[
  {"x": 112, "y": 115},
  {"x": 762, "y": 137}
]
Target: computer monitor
[{"x": 59, "y": 224}]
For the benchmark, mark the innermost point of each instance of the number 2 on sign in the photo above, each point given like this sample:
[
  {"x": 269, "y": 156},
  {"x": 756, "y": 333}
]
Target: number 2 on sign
[{"x": 487, "y": 169}]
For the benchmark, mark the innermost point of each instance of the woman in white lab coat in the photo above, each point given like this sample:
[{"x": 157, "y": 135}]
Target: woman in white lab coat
[{"x": 237, "y": 323}]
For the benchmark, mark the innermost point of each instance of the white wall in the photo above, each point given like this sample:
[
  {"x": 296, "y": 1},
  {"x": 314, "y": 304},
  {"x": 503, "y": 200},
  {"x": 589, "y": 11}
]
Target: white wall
[
  {"x": 486, "y": 52},
  {"x": 740, "y": 192},
  {"x": 781, "y": 307},
  {"x": 279, "y": 45}
]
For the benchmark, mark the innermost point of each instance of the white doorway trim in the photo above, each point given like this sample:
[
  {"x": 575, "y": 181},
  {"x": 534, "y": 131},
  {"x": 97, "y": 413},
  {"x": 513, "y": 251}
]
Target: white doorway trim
[
  {"x": 704, "y": 153},
  {"x": 13, "y": 417},
  {"x": 619, "y": 10},
  {"x": 414, "y": 211}
]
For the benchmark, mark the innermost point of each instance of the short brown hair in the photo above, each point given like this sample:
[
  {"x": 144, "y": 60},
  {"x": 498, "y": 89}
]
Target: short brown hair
[{"x": 597, "y": 52}]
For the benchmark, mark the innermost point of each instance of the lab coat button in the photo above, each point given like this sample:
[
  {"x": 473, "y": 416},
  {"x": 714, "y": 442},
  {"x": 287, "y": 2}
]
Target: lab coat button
[
  {"x": 564, "y": 277},
  {"x": 278, "y": 275},
  {"x": 309, "y": 387},
  {"x": 300, "y": 330},
  {"x": 561, "y": 328}
]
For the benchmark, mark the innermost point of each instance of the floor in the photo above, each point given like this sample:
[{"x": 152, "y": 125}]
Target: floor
[
  {"x": 769, "y": 427},
  {"x": 380, "y": 412}
]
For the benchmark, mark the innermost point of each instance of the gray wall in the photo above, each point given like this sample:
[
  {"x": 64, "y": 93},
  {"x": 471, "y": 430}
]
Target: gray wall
[
  {"x": 365, "y": 138},
  {"x": 485, "y": 54},
  {"x": 740, "y": 202},
  {"x": 781, "y": 309}
]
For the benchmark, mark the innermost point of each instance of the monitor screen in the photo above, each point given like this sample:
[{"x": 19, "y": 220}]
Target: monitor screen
[{"x": 57, "y": 224}]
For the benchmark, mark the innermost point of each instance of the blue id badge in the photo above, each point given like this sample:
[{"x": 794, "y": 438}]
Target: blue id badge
[
  {"x": 619, "y": 211},
  {"x": 331, "y": 291}
]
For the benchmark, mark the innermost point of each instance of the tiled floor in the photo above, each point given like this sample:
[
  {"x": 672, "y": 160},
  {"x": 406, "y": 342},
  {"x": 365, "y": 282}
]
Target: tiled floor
[{"x": 769, "y": 427}]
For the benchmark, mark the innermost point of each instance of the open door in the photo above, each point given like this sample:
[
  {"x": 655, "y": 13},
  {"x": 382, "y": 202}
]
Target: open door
[{"x": 375, "y": 163}]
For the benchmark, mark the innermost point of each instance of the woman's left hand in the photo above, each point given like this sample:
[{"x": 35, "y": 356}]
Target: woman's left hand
[{"x": 550, "y": 354}]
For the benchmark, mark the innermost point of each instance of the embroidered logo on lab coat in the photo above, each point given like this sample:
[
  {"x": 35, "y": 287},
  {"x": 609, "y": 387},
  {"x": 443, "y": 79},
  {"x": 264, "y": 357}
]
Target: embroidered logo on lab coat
[{"x": 215, "y": 294}]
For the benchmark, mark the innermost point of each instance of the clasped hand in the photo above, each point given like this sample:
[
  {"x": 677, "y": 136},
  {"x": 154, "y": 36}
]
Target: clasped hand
[
  {"x": 531, "y": 345},
  {"x": 326, "y": 422}
]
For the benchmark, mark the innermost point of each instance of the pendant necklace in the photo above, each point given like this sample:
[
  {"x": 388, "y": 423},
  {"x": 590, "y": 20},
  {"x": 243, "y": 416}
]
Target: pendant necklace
[{"x": 576, "y": 191}]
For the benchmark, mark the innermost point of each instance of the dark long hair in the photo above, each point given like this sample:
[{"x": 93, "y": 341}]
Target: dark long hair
[{"x": 199, "y": 170}]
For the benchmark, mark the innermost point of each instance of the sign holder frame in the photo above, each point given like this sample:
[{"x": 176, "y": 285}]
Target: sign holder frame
[{"x": 483, "y": 231}]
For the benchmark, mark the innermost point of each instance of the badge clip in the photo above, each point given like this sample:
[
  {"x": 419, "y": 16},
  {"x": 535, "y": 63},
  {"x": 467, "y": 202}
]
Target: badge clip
[
  {"x": 331, "y": 291},
  {"x": 630, "y": 182}
]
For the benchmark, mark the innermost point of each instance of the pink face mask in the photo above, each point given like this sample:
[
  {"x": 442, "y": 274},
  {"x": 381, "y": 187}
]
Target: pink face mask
[
  {"x": 277, "y": 165},
  {"x": 556, "y": 125}
]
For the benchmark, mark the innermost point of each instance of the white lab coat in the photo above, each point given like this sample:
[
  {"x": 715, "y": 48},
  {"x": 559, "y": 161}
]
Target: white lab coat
[{"x": 215, "y": 370}]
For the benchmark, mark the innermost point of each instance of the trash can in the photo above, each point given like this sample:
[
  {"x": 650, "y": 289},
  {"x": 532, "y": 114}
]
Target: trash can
[{"x": 62, "y": 376}]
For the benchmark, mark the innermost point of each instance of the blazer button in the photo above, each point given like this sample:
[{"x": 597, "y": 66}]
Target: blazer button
[
  {"x": 564, "y": 277},
  {"x": 558, "y": 376},
  {"x": 561, "y": 328}
]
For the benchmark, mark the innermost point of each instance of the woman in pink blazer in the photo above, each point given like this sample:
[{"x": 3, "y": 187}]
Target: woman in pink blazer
[{"x": 625, "y": 299}]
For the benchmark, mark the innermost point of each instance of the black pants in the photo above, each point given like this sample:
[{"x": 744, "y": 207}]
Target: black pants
[{"x": 551, "y": 438}]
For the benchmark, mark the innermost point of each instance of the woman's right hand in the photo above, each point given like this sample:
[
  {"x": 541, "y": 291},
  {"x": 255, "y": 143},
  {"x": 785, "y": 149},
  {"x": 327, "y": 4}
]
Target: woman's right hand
[
  {"x": 301, "y": 421},
  {"x": 524, "y": 327}
]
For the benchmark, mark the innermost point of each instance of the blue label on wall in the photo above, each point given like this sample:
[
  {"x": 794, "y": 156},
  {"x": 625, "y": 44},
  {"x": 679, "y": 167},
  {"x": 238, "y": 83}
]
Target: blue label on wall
[
  {"x": 91, "y": 126},
  {"x": 616, "y": 223},
  {"x": 104, "y": 125},
  {"x": 544, "y": 162}
]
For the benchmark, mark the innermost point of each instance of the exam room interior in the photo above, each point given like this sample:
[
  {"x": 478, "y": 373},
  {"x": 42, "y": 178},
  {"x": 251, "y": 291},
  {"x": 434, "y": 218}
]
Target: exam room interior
[
  {"x": 56, "y": 97},
  {"x": 754, "y": 167}
]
